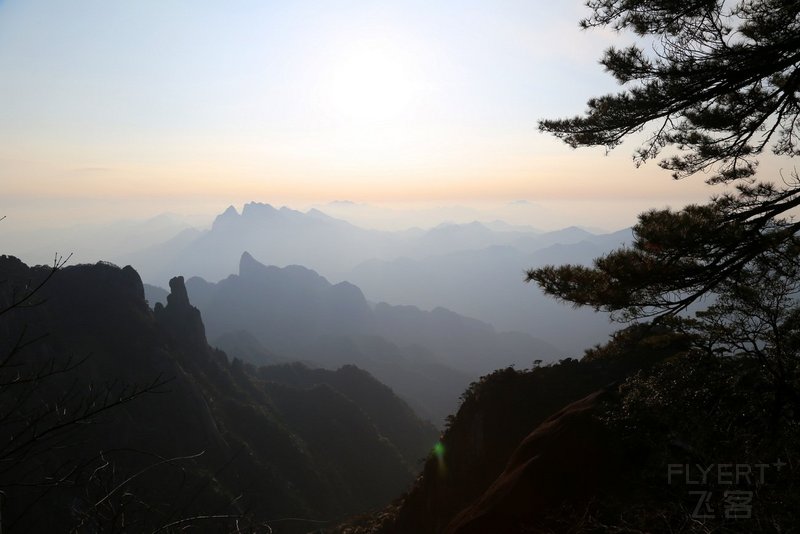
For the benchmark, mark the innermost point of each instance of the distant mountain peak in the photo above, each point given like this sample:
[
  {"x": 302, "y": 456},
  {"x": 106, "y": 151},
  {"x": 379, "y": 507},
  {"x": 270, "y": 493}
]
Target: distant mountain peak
[
  {"x": 249, "y": 265},
  {"x": 314, "y": 212},
  {"x": 225, "y": 218},
  {"x": 257, "y": 209}
]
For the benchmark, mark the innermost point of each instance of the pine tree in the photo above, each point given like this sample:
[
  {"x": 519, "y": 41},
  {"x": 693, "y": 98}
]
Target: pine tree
[
  {"x": 721, "y": 84},
  {"x": 720, "y": 87}
]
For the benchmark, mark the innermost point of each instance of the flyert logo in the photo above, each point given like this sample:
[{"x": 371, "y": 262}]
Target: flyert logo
[{"x": 735, "y": 503}]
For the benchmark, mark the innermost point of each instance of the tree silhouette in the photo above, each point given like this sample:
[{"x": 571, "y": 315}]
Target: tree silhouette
[
  {"x": 720, "y": 86},
  {"x": 677, "y": 257}
]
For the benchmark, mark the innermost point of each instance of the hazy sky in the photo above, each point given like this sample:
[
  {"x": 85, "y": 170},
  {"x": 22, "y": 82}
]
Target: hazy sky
[{"x": 110, "y": 107}]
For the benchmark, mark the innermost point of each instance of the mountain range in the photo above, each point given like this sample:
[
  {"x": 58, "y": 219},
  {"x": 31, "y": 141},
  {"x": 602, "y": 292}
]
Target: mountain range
[
  {"x": 474, "y": 269},
  {"x": 427, "y": 357},
  {"x": 115, "y": 416}
]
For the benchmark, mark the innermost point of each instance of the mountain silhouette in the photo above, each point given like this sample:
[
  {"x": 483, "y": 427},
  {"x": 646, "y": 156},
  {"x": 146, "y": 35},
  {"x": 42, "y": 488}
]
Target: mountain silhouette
[
  {"x": 475, "y": 269},
  {"x": 284, "y": 235},
  {"x": 425, "y": 356},
  {"x": 213, "y": 435},
  {"x": 488, "y": 284}
]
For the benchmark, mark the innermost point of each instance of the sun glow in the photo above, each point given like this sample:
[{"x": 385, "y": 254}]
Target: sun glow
[{"x": 371, "y": 82}]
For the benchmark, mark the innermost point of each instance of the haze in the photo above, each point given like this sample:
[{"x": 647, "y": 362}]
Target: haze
[{"x": 124, "y": 111}]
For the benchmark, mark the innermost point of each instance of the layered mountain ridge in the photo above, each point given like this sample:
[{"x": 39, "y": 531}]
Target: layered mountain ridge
[
  {"x": 475, "y": 269},
  {"x": 230, "y": 439},
  {"x": 428, "y": 357}
]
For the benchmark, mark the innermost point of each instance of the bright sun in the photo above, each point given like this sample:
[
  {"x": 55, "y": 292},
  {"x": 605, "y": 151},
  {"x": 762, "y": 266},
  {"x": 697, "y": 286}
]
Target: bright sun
[{"x": 371, "y": 82}]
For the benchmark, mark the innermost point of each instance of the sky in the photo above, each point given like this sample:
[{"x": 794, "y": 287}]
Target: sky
[{"x": 112, "y": 109}]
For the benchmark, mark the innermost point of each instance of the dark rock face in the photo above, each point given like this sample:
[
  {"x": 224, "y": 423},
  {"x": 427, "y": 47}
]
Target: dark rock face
[
  {"x": 205, "y": 434},
  {"x": 179, "y": 317},
  {"x": 583, "y": 446},
  {"x": 496, "y": 415},
  {"x": 178, "y": 296},
  {"x": 567, "y": 459}
]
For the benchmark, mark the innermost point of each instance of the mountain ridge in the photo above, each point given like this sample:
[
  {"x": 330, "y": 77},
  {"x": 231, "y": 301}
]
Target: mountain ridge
[
  {"x": 296, "y": 313},
  {"x": 207, "y": 411}
]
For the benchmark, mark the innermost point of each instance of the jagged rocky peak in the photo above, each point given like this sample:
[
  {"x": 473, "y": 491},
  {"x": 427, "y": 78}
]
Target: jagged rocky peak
[
  {"x": 248, "y": 265},
  {"x": 178, "y": 296},
  {"x": 258, "y": 209},
  {"x": 225, "y": 218},
  {"x": 179, "y": 317}
]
